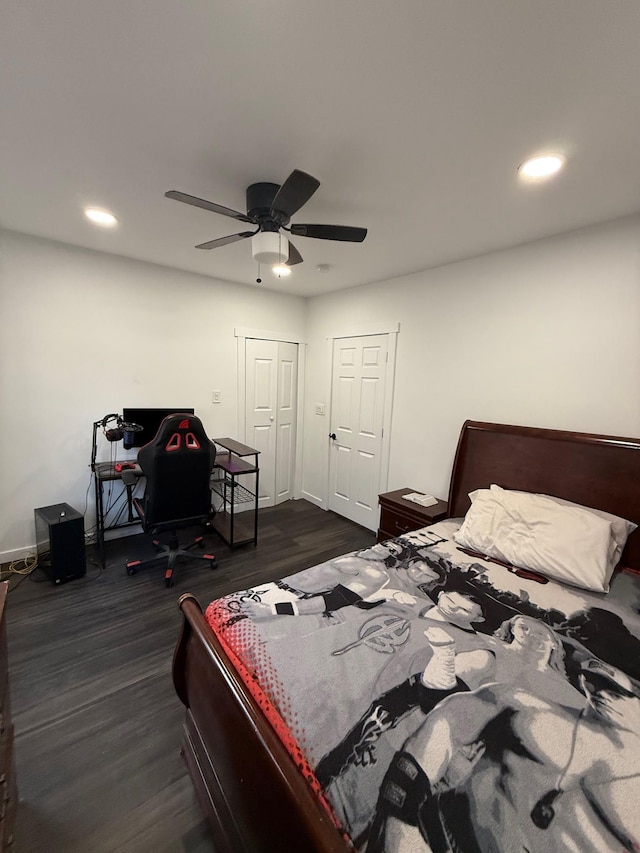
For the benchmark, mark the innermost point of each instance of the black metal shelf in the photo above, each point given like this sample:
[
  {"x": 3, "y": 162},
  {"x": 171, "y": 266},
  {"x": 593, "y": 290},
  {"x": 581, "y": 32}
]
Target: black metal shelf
[
  {"x": 239, "y": 494},
  {"x": 242, "y": 528}
]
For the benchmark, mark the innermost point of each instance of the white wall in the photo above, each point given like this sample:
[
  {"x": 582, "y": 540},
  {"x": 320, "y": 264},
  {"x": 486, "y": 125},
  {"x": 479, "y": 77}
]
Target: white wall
[
  {"x": 85, "y": 334},
  {"x": 546, "y": 335}
]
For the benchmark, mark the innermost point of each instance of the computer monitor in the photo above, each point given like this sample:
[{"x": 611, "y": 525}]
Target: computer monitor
[{"x": 149, "y": 420}]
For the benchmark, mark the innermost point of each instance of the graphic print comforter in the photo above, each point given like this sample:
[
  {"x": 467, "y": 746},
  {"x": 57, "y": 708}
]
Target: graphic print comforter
[{"x": 437, "y": 701}]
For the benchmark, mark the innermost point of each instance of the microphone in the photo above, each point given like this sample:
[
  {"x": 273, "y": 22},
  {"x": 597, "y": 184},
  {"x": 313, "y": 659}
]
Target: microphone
[{"x": 128, "y": 432}]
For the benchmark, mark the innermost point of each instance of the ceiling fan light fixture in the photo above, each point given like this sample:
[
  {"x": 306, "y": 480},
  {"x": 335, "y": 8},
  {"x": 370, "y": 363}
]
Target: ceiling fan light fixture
[
  {"x": 281, "y": 270},
  {"x": 269, "y": 247}
]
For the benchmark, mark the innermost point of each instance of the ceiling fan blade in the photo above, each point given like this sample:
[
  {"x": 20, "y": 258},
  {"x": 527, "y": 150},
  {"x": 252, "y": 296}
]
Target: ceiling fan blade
[
  {"x": 296, "y": 191},
  {"x": 294, "y": 255},
  {"x": 224, "y": 241},
  {"x": 207, "y": 205},
  {"x": 330, "y": 232}
]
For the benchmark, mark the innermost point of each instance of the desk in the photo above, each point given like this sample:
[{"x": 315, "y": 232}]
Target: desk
[
  {"x": 105, "y": 472},
  {"x": 234, "y": 464}
]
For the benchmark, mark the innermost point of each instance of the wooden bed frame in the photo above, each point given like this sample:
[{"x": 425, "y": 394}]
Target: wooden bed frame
[{"x": 253, "y": 796}]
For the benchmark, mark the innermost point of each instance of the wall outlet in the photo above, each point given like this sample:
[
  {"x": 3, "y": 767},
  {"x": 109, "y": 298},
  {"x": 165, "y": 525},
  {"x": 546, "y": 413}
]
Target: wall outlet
[
  {"x": 319, "y": 408},
  {"x": 216, "y": 396}
]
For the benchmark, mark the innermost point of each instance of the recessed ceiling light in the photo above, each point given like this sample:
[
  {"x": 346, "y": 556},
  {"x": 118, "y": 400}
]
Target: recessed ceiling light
[
  {"x": 281, "y": 270},
  {"x": 100, "y": 217},
  {"x": 541, "y": 167}
]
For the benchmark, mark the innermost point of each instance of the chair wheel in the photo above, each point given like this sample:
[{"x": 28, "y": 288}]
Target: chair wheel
[
  {"x": 131, "y": 570},
  {"x": 168, "y": 582},
  {"x": 201, "y": 543},
  {"x": 214, "y": 564}
]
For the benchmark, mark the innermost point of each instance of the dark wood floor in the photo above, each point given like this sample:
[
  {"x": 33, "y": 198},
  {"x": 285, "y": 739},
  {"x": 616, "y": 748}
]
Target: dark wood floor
[{"x": 97, "y": 723}]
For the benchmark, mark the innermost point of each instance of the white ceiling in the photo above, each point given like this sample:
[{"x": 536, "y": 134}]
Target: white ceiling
[{"x": 413, "y": 115}]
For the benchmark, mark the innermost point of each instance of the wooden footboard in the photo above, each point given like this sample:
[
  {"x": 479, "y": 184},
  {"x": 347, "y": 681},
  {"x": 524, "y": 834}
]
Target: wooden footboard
[{"x": 253, "y": 796}]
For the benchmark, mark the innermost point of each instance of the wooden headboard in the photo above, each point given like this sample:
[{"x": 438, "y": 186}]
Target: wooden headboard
[{"x": 599, "y": 471}]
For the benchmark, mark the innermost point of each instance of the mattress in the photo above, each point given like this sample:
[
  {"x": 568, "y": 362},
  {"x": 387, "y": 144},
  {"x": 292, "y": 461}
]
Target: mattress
[{"x": 436, "y": 700}]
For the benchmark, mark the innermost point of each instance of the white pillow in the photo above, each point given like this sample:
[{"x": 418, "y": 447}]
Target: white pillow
[
  {"x": 568, "y": 543},
  {"x": 621, "y": 529}
]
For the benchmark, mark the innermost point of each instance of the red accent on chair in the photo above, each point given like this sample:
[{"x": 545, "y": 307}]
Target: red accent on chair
[
  {"x": 184, "y": 424},
  {"x": 191, "y": 441},
  {"x": 174, "y": 442}
]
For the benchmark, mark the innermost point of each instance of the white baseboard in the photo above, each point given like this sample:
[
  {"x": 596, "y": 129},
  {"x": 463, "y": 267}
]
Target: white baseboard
[
  {"x": 31, "y": 550},
  {"x": 17, "y": 553},
  {"x": 307, "y": 496},
  {"x": 121, "y": 532}
]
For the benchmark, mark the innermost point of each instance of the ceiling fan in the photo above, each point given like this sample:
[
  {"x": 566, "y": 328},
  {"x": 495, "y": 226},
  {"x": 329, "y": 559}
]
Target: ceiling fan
[{"x": 270, "y": 207}]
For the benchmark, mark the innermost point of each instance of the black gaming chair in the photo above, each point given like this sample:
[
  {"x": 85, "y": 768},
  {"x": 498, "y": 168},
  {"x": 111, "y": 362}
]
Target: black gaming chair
[{"x": 177, "y": 464}]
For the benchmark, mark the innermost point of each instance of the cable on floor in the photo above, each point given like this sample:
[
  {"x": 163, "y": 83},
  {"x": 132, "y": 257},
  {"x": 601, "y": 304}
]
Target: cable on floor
[{"x": 22, "y": 567}]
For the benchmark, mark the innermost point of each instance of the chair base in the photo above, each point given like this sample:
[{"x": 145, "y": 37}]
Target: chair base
[{"x": 173, "y": 552}]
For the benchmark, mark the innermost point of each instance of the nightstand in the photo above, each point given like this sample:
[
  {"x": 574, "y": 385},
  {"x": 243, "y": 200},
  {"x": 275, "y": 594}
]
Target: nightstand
[{"x": 398, "y": 516}]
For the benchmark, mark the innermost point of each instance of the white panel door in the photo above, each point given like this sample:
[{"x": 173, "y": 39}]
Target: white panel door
[
  {"x": 357, "y": 412},
  {"x": 286, "y": 420},
  {"x": 271, "y": 403},
  {"x": 261, "y": 404}
]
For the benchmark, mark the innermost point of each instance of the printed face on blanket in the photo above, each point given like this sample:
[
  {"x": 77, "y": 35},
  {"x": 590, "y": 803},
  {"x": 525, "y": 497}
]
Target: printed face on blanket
[
  {"x": 478, "y": 716},
  {"x": 361, "y": 579}
]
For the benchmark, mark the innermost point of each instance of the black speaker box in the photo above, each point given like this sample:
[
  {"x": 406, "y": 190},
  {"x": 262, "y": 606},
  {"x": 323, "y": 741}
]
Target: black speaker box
[{"x": 60, "y": 542}]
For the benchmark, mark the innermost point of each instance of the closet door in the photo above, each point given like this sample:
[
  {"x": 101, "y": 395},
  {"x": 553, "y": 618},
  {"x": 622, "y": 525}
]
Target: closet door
[
  {"x": 271, "y": 388},
  {"x": 286, "y": 421}
]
